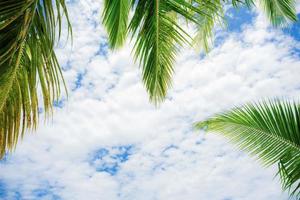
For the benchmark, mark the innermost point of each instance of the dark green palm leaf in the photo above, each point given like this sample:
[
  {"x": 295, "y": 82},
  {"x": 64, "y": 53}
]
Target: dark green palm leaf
[
  {"x": 27, "y": 61},
  {"x": 269, "y": 130}
]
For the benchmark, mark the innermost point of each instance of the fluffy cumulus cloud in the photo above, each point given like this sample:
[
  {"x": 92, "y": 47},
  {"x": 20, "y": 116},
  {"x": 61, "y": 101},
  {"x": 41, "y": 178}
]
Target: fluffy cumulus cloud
[{"x": 108, "y": 142}]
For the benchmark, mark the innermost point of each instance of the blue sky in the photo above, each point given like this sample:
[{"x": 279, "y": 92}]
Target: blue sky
[{"x": 108, "y": 142}]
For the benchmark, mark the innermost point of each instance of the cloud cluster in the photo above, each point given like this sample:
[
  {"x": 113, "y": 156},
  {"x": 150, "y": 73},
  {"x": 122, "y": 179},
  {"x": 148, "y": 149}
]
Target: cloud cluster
[{"x": 108, "y": 142}]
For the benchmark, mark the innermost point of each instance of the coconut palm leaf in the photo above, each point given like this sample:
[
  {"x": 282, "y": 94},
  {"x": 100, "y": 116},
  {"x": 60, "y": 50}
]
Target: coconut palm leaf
[
  {"x": 158, "y": 36},
  {"x": 27, "y": 61},
  {"x": 206, "y": 23},
  {"x": 156, "y": 28},
  {"x": 155, "y": 46},
  {"x": 115, "y": 19},
  {"x": 268, "y": 130},
  {"x": 279, "y": 12}
]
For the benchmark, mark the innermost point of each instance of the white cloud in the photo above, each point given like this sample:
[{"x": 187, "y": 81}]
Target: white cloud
[{"x": 168, "y": 160}]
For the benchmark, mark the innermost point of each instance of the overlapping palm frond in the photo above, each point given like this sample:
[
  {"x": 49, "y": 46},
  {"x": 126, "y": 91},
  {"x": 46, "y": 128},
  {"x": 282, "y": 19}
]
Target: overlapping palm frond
[
  {"x": 27, "y": 61},
  {"x": 269, "y": 130},
  {"x": 157, "y": 31},
  {"x": 214, "y": 15},
  {"x": 28, "y": 33}
]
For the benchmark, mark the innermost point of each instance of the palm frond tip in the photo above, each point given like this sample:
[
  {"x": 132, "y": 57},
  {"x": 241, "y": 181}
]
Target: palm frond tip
[{"x": 269, "y": 130}]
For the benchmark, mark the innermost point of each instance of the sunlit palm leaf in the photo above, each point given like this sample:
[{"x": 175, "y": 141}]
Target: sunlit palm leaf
[
  {"x": 27, "y": 61},
  {"x": 214, "y": 15},
  {"x": 269, "y": 130}
]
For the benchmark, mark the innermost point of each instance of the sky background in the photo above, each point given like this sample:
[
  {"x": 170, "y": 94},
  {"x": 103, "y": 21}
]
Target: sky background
[{"x": 108, "y": 142}]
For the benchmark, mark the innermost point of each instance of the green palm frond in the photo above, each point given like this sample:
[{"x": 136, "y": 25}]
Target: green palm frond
[
  {"x": 115, "y": 19},
  {"x": 214, "y": 15},
  {"x": 27, "y": 61},
  {"x": 279, "y": 12},
  {"x": 269, "y": 130},
  {"x": 155, "y": 46},
  {"x": 158, "y": 38},
  {"x": 158, "y": 34}
]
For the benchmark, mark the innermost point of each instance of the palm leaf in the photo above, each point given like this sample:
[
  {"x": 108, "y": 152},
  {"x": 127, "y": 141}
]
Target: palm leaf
[
  {"x": 279, "y": 12},
  {"x": 158, "y": 34},
  {"x": 155, "y": 45},
  {"x": 269, "y": 130},
  {"x": 27, "y": 60},
  {"x": 157, "y": 31},
  {"x": 214, "y": 15},
  {"x": 115, "y": 19}
]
